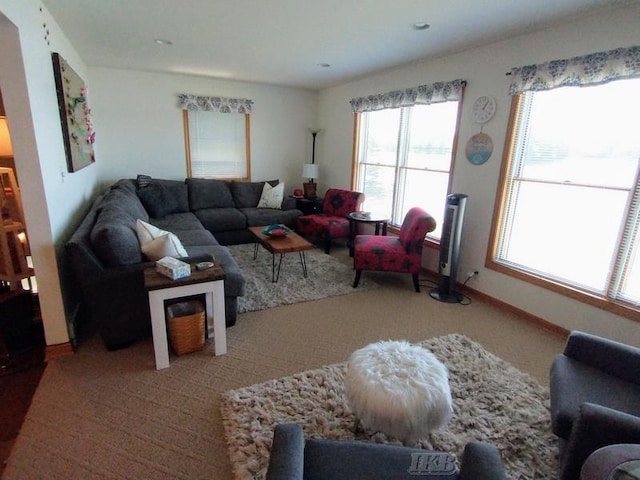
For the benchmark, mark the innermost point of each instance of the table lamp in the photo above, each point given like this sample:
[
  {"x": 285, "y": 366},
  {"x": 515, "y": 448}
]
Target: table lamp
[{"x": 310, "y": 171}]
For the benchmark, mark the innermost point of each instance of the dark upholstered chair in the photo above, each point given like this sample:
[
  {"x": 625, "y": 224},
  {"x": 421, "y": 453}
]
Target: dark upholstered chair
[
  {"x": 595, "y": 398},
  {"x": 394, "y": 254},
  {"x": 332, "y": 223},
  {"x": 294, "y": 459},
  {"x": 613, "y": 462}
]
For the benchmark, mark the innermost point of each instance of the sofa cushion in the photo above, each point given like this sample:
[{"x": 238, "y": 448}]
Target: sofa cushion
[
  {"x": 113, "y": 235},
  {"x": 209, "y": 193},
  {"x": 125, "y": 202},
  {"x": 247, "y": 194},
  {"x": 221, "y": 219},
  {"x": 267, "y": 216},
  {"x": 178, "y": 221},
  {"x": 271, "y": 196},
  {"x": 234, "y": 282},
  {"x": 192, "y": 238},
  {"x": 115, "y": 241},
  {"x": 164, "y": 198}
]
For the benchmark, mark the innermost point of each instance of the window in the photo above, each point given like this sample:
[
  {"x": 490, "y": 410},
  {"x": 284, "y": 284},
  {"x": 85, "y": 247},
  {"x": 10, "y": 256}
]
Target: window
[
  {"x": 404, "y": 158},
  {"x": 217, "y": 137},
  {"x": 568, "y": 217}
]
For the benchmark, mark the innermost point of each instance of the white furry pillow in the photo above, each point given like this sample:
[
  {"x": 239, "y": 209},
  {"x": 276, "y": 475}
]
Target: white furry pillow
[{"x": 271, "y": 196}]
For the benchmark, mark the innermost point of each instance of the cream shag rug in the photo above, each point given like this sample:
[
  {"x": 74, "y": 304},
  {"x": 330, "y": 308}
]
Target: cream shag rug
[
  {"x": 326, "y": 277},
  {"x": 492, "y": 402}
]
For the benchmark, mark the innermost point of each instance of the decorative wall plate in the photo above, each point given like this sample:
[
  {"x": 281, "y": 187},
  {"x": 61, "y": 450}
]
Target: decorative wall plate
[{"x": 479, "y": 148}]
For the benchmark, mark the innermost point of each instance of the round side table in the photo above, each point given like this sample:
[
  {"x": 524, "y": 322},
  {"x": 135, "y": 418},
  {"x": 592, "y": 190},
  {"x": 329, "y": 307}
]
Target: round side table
[{"x": 380, "y": 222}]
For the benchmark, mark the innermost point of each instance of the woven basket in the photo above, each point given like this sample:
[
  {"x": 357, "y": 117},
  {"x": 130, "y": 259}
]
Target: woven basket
[{"x": 186, "y": 327}]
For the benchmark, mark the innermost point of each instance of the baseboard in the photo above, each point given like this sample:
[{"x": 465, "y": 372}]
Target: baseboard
[
  {"x": 526, "y": 316},
  {"x": 541, "y": 323},
  {"x": 58, "y": 350}
]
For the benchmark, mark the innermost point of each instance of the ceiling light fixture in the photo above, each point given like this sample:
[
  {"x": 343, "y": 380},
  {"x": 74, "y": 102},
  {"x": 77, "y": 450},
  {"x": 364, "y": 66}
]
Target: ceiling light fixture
[
  {"x": 162, "y": 41},
  {"x": 324, "y": 65},
  {"x": 420, "y": 26}
]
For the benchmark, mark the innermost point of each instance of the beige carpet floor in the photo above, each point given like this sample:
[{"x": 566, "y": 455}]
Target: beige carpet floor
[
  {"x": 100, "y": 414},
  {"x": 492, "y": 402}
]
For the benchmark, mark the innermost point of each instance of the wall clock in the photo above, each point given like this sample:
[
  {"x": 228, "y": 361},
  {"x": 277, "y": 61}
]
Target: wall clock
[{"x": 484, "y": 108}]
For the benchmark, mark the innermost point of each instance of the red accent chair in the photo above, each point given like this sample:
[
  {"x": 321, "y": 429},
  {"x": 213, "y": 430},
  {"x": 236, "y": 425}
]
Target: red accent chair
[
  {"x": 394, "y": 254},
  {"x": 332, "y": 222}
]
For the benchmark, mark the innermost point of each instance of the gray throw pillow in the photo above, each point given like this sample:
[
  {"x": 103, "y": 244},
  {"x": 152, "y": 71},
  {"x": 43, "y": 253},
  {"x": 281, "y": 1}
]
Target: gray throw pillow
[
  {"x": 247, "y": 194},
  {"x": 160, "y": 200},
  {"x": 209, "y": 193}
]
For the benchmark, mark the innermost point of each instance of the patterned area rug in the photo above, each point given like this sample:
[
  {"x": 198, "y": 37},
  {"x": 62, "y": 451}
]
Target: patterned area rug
[
  {"x": 493, "y": 402},
  {"x": 327, "y": 276}
]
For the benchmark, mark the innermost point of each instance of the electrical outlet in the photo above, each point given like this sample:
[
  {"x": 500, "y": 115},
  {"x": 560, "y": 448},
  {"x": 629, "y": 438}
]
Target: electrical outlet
[{"x": 472, "y": 273}]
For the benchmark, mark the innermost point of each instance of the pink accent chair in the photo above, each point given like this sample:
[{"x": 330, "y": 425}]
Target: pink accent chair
[
  {"x": 332, "y": 222},
  {"x": 394, "y": 254}
]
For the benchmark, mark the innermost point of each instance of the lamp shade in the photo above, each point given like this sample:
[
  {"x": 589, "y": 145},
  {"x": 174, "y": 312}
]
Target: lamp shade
[
  {"x": 310, "y": 170},
  {"x": 5, "y": 140}
]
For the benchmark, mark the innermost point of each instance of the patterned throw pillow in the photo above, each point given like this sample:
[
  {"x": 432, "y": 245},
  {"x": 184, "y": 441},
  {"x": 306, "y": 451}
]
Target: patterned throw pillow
[
  {"x": 271, "y": 196},
  {"x": 143, "y": 180}
]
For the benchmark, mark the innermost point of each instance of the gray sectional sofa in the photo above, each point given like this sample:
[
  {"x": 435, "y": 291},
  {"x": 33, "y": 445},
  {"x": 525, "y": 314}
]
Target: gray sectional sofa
[{"x": 204, "y": 214}]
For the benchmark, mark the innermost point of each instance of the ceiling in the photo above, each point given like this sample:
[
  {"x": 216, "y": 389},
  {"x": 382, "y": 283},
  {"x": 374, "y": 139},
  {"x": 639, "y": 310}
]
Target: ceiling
[{"x": 286, "y": 42}]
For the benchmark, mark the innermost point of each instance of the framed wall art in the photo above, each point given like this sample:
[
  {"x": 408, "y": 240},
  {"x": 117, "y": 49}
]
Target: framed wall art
[{"x": 75, "y": 115}]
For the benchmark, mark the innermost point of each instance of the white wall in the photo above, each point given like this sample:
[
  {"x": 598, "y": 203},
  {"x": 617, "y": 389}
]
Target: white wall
[
  {"x": 52, "y": 202},
  {"x": 139, "y": 130},
  {"x": 484, "y": 69},
  {"x": 139, "y": 124}
]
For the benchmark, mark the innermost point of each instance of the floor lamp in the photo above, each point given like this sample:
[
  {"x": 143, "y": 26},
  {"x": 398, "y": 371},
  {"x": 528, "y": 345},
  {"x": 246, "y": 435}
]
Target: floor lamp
[{"x": 310, "y": 171}]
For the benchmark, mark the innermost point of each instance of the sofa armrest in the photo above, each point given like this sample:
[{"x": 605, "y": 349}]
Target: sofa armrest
[
  {"x": 605, "y": 461},
  {"x": 286, "y": 461},
  {"x": 119, "y": 274},
  {"x": 614, "y": 358},
  {"x": 481, "y": 461},
  {"x": 596, "y": 427}
]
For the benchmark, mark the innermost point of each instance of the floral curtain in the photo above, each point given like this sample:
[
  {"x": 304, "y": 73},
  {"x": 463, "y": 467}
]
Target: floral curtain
[
  {"x": 590, "y": 69},
  {"x": 421, "y": 95},
  {"x": 215, "y": 104}
]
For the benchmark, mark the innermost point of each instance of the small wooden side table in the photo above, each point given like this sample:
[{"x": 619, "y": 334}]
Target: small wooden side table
[
  {"x": 309, "y": 206},
  {"x": 380, "y": 221},
  {"x": 209, "y": 282}
]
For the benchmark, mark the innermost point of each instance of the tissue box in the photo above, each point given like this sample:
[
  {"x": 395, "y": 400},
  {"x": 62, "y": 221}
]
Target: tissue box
[{"x": 173, "y": 268}]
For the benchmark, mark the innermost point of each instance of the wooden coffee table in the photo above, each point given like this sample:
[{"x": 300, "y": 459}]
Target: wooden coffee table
[{"x": 281, "y": 246}]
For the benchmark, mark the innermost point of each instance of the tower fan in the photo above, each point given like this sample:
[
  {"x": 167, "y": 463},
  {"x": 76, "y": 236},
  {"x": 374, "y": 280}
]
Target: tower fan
[{"x": 450, "y": 250}]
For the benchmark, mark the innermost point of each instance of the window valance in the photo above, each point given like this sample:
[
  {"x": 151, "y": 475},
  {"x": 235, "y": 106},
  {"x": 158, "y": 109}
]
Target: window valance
[
  {"x": 584, "y": 70},
  {"x": 215, "y": 104},
  {"x": 421, "y": 95}
]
